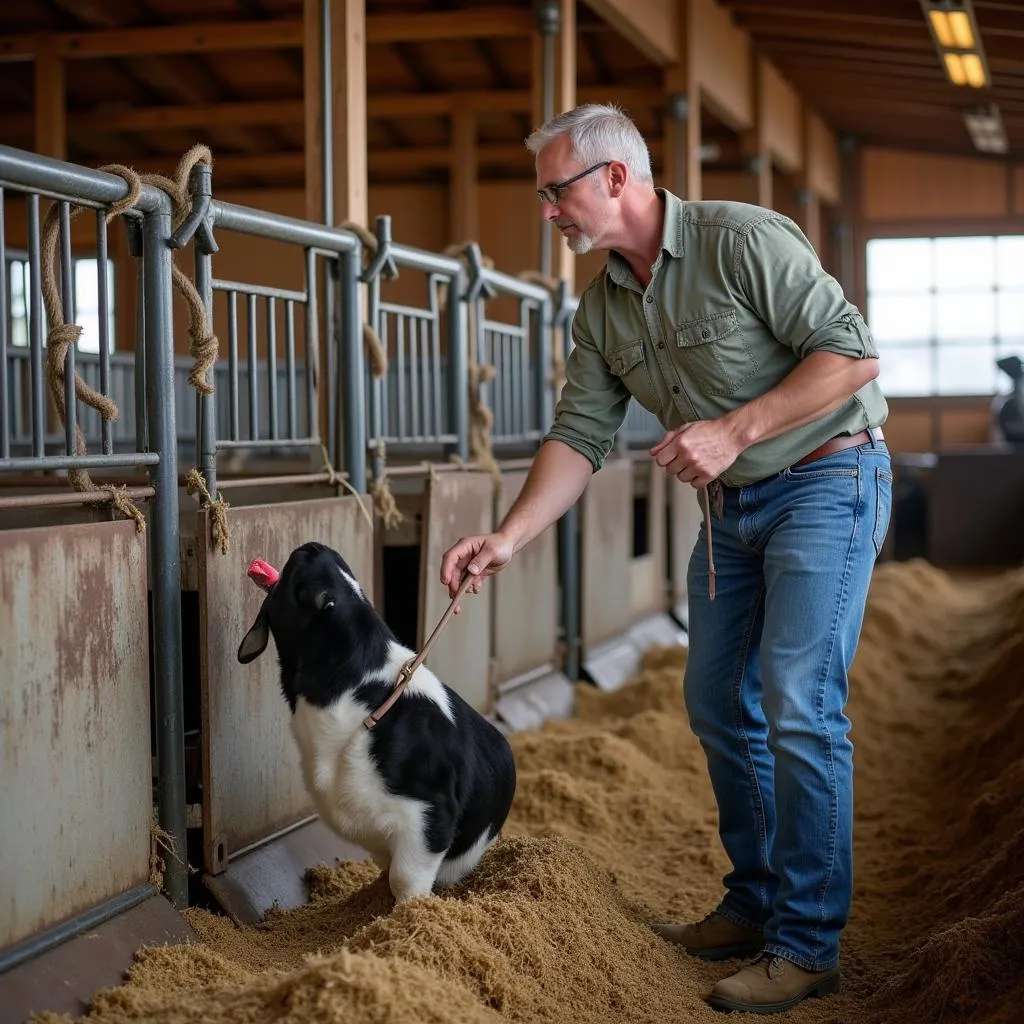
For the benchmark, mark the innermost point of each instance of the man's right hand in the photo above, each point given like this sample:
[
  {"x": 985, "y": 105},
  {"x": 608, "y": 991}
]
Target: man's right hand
[{"x": 483, "y": 555}]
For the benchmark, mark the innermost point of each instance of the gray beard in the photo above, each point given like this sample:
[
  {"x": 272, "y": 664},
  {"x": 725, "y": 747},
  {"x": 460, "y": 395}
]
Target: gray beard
[{"x": 581, "y": 244}]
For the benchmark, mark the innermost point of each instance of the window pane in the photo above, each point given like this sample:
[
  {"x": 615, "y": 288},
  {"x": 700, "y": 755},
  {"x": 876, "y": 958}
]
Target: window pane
[
  {"x": 967, "y": 370},
  {"x": 899, "y": 264},
  {"x": 965, "y": 263},
  {"x": 965, "y": 315},
  {"x": 1011, "y": 314},
  {"x": 895, "y": 318},
  {"x": 905, "y": 371},
  {"x": 1010, "y": 261},
  {"x": 87, "y": 304}
]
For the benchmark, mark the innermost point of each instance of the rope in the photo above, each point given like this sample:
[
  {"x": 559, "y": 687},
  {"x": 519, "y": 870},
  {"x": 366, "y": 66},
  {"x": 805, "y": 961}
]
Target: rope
[
  {"x": 375, "y": 351},
  {"x": 335, "y": 478},
  {"x": 557, "y": 378},
  {"x": 383, "y": 500},
  {"x": 218, "y": 508},
  {"x": 481, "y": 418},
  {"x": 62, "y": 335}
]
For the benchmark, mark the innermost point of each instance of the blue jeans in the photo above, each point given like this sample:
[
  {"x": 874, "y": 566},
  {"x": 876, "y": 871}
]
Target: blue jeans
[{"x": 766, "y": 688}]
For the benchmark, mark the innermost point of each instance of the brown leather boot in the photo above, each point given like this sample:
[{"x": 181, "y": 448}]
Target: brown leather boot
[
  {"x": 714, "y": 938},
  {"x": 770, "y": 984}
]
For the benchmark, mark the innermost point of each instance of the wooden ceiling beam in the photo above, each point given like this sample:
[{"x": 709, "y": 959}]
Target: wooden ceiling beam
[
  {"x": 914, "y": 37},
  {"x": 291, "y": 165},
  {"x": 813, "y": 8},
  {"x": 275, "y": 34},
  {"x": 290, "y": 112},
  {"x": 650, "y": 25}
]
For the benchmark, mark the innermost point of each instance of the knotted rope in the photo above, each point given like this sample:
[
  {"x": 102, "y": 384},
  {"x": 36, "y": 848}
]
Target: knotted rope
[
  {"x": 61, "y": 335},
  {"x": 375, "y": 351},
  {"x": 481, "y": 418},
  {"x": 557, "y": 378}
]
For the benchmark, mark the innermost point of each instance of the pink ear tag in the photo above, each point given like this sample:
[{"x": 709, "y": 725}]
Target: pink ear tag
[{"x": 263, "y": 574}]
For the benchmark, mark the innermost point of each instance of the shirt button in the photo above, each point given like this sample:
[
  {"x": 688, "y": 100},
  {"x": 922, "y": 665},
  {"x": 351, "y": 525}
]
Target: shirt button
[
  {"x": 661, "y": 344},
  {"x": 705, "y": 333},
  {"x": 650, "y": 298},
  {"x": 675, "y": 389}
]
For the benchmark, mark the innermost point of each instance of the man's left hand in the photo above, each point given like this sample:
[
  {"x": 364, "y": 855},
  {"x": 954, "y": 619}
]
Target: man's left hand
[{"x": 697, "y": 453}]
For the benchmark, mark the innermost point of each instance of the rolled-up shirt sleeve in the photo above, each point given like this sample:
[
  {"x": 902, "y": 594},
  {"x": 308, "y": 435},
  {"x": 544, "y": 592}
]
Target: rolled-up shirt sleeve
[
  {"x": 784, "y": 283},
  {"x": 593, "y": 402}
]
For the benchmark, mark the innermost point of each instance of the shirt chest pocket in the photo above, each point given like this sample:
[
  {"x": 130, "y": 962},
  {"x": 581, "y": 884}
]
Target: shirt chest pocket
[
  {"x": 628, "y": 364},
  {"x": 712, "y": 350}
]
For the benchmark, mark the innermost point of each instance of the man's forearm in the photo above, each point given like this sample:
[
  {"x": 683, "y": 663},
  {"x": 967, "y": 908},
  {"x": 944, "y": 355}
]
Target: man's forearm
[
  {"x": 816, "y": 387},
  {"x": 557, "y": 478}
]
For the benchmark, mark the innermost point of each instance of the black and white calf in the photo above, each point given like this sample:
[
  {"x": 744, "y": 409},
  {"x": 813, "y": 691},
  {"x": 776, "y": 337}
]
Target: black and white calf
[{"x": 429, "y": 788}]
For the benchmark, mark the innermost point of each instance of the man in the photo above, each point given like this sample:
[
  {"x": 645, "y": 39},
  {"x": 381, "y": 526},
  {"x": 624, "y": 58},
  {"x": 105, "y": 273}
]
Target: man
[{"x": 718, "y": 317}]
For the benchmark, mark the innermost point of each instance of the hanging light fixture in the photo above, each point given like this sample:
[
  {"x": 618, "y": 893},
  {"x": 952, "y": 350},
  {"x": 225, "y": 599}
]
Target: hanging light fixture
[{"x": 955, "y": 33}]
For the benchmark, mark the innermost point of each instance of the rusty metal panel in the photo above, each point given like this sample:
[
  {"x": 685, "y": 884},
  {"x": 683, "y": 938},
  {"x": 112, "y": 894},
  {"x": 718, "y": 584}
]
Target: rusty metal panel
[
  {"x": 525, "y": 597},
  {"x": 457, "y": 505},
  {"x": 649, "y": 572},
  {"x": 684, "y": 518},
  {"x": 252, "y": 782},
  {"x": 76, "y": 783},
  {"x": 606, "y": 546}
]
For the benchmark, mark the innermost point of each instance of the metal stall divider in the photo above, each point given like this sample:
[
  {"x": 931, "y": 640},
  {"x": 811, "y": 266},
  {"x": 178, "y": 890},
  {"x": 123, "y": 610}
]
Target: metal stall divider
[
  {"x": 259, "y": 827},
  {"x": 74, "y": 624},
  {"x": 623, "y": 534},
  {"x": 419, "y": 439},
  {"x": 528, "y": 677}
]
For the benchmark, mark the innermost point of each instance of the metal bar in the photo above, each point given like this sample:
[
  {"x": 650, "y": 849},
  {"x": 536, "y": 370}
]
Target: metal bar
[
  {"x": 106, "y": 427},
  {"x": 264, "y": 291},
  {"x": 312, "y": 356},
  {"x": 262, "y": 224},
  {"x": 72, "y": 498},
  {"x": 252, "y": 369},
  {"x": 68, "y": 303},
  {"x": 352, "y": 352},
  {"x": 525, "y": 404},
  {"x": 331, "y": 353},
  {"x": 507, "y": 382},
  {"x": 78, "y": 925},
  {"x": 34, "y": 462},
  {"x": 400, "y": 361},
  {"x": 43, "y": 175},
  {"x": 141, "y": 414},
  {"x": 5, "y": 424},
  {"x": 400, "y": 309},
  {"x": 569, "y": 538},
  {"x": 377, "y": 385},
  {"x": 233, "y": 363},
  {"x": 435, "y": 341},
  {"x": 327, "y": 110},
  {"x": 414, "y": 378},
  {"x": 261, "y": 443},
  {"x": 544, "y": 386},
  {"x": 289, "y": 345},
  {"x": 165, "y": 562},
  {"x": 35, "y": 327},
  {"x": 272, "y": 365},
  {"x": 425, "y": 334},
  {"x": 206, "y": 412},
  {"x": 458, "y": 363},
  {"x": 509, "y": 285},
  {"x": 276, "y": 481}
]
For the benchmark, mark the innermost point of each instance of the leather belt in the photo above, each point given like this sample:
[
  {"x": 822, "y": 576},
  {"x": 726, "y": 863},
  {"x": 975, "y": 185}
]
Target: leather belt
[{"x": 841, "y": 442}]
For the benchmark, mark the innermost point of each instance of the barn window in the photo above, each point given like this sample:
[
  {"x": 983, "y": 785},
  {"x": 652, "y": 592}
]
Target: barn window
[{"x": 943, "y": 310}]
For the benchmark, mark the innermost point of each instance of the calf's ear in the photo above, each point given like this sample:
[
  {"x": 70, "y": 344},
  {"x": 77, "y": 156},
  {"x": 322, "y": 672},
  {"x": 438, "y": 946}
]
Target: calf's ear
[{"x": 254, "y": 643}]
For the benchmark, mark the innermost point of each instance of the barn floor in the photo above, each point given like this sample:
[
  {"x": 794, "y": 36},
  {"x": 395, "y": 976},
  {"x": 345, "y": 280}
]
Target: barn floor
[{"x": 614, "y": 827}]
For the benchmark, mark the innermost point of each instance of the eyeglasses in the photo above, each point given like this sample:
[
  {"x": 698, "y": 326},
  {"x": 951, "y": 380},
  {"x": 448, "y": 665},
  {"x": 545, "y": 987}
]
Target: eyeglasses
[{"x": 553, "y": 193}]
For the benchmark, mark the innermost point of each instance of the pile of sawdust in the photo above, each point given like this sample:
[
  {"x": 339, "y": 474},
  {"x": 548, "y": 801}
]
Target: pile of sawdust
[{"x": 614, "y": 827}]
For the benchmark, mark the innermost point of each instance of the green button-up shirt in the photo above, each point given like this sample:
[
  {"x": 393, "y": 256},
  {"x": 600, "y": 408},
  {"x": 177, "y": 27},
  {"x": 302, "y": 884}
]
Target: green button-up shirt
[{"x": 737, "y": 298}]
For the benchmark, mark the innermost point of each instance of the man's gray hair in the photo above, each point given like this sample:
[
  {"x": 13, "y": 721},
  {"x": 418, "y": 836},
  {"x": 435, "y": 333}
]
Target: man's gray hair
[{"x": 597, "y": 131}]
